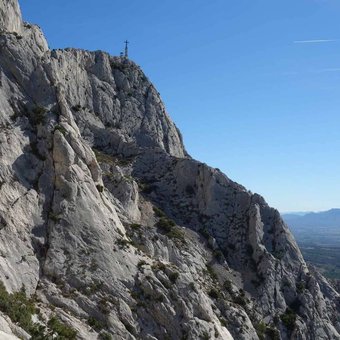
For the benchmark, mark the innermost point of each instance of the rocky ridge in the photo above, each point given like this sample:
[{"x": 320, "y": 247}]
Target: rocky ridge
[{"x": 114, "y": 231}]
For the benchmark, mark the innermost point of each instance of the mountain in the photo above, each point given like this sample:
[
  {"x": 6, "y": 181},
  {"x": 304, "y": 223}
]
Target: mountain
[
  {"x": 329, "y": 218},
  {"x": 110, "y": 230},
  {"x": 318, "y": 235},
  {"x": 321, "y": 228}
]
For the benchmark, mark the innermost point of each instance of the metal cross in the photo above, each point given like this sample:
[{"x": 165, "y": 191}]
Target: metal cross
[{"x": 126, "y": 49}]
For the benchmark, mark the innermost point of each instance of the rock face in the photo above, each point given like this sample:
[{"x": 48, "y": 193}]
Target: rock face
[
  {"x": 114, "y": 231},
  {"x": 10, "y": 16}
]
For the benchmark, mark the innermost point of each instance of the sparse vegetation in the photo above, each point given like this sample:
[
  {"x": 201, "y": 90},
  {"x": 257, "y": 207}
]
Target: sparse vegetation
[
  {"x": 158, "y": 266},
  {"x": 135, "y": 226},
  {"x": 173, "y": 277},
  {"x": 63, "y": 331},
  {"x": 168, "y": 227},
  {"x": 96, "y": 324},
  {"x": 289, "y": 319},
  {"x": 18, "y": 307},
  {"x": 61, "y": 129},
  {"x": 123, "y": 243},
  {"x": 105, "y": 336},
  {"x": 218, "y": 255},
  {"x": 38, "y": 115},
  {"x": 261, "y": 330},
  {"x": 165, "y": 224},
  {"x": 265, "y": 331},
  {"x": 158, "y": 212},
  {"x": 100, "y": 188},
  {"x": 300, "y": 287},
  {"x": 53, "y": 217},
  {"x": 129, "y": 328},
  {"x": 192, "y": 286},
  {"x": 103, "y": 157},
  {"x": 140, "y": 264},
  {"x": 228, "y": 286},
  {"x": 76, "y": 108},
  {"x": 214, "y": 293},
  {"x": 205, "y": 336},
  {"x": 210, "y": 271},
  {"x": 240, "y": 300},
  {"x": 177, "y": 234}
]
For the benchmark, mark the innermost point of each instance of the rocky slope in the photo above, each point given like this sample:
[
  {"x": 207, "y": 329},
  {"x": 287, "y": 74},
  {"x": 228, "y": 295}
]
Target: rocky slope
[{"x": 109, "y": 230}]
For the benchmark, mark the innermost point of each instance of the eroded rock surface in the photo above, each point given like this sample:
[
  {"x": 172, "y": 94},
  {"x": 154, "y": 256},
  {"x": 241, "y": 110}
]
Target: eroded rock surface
[{"x": 114, "y": 231}]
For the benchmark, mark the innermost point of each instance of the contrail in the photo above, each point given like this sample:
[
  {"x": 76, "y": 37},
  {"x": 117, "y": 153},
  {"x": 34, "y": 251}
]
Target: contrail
[
  {"x": 334, "y": 69},
  {"x": 316, "y": 41}
]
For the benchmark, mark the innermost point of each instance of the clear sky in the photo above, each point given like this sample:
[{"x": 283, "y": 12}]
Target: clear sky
[{"x": 254, "y": 86}]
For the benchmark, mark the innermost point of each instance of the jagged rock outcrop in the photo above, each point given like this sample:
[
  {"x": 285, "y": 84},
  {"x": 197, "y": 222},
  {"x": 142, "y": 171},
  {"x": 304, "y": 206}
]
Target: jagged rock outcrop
[
  {"x": 10, "y": 16},
  {"x": 114, "y": 231}
]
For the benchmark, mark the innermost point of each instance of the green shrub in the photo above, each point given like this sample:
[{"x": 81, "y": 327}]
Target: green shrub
[
  {"x": 146, "y": 188},
  {"x": 64, "y": 332},
  {"x": 123, "y": 243},
  {"x": 214, "y": 293},
  {"x": 76, "y": 108},
  {"x": 272, "y": 333},
  {"x": 18, "y": 307},
  {"x": 300, "y": 287},
  {"x": 218, "y": 255},
  {"x": 135, "y": 226},
  {"x": 165, "y": 224},
  {"x": 289, "y": 319},
  {"x": 261, "y": 330},
  {"x": 103, "y": 157},
  {"x": 205, "y": 336},
  {"x": 240, "y": 300},
  {"x": 105, "y": 336},
  {"x": 228, "y": 286},
  {"x": 176, "y": 233},
  {"x": 211, "y": 272},
  {"x": 100, "y": 188},
  {"x": 38, "y": 115},
  {"x": 61, "y": 129},
  {"x": 158, "y": 266},
  {"x": 173, "y": 277},
  {"x": 158, "y": 212},
  {"x": 192, "y": 286},
  {"x": 54, "y": 217},
  {"x": 129, "y": 328},
  {"x": 265, "y": 331},
  {"x": 96, "y": 324},
  {"x": 140, "y": 264}
]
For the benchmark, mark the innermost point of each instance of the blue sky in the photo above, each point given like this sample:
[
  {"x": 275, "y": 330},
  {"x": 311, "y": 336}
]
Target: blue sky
[{"x": 245, "y": 81}]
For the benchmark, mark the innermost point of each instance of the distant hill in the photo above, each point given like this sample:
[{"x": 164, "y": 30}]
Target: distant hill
[
  {"x": 329, "y": 218},
  {"x": 321, "y": 228},
  {"x": 318, "y": 235}
]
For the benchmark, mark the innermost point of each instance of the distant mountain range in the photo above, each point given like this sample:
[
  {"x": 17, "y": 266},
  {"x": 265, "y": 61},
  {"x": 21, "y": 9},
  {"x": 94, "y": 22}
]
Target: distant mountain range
[
  {"x": 298, "y": 220},
  {"x": 318, "y": 235},
  {"x": 318, "y": 228}
]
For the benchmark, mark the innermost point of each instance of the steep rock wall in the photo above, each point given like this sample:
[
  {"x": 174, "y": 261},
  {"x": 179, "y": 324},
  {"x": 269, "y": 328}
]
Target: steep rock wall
[{"x": 115, "y": 230}]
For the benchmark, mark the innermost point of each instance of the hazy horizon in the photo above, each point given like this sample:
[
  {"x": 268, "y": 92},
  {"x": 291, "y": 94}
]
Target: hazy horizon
[
  {"x": 298, "y": 212},
  {"x": 252, "y": 87}
]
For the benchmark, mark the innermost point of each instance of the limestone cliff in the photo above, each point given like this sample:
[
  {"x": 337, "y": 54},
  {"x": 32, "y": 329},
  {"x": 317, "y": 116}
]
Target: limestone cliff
[
  {"x": 10, "y": 16},
  {"x": 113, "y": 231}
]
